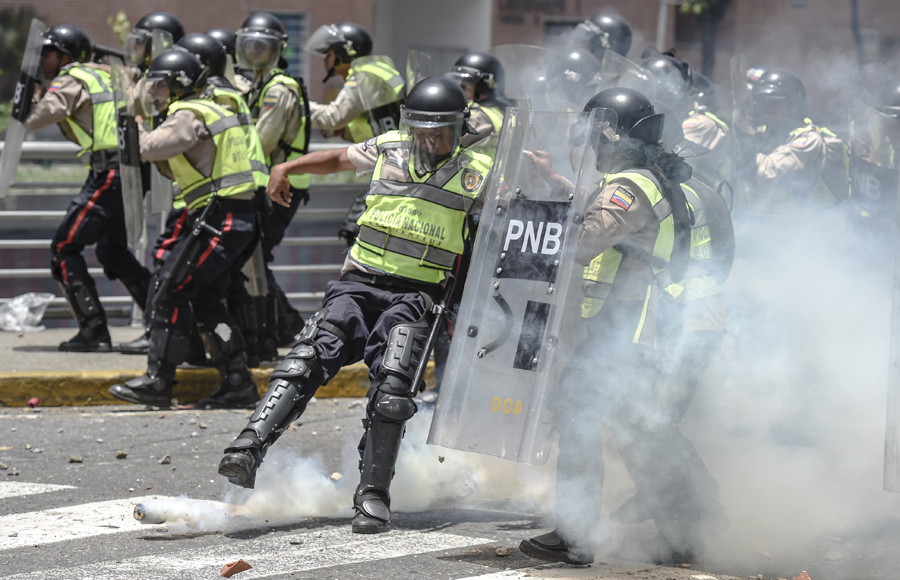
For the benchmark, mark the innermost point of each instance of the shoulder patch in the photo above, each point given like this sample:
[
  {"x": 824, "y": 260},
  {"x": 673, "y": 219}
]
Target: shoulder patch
[
  {"x": 471, "y": 180},
  {"x": 800, "y": 142},
  {"x": 622, "y": 198},
  {"x": 55, "y": 86},
  {"x": 370, "y": 142},
  {"x": 690, "y": 123},
  {"x": 269, "y": 101}
]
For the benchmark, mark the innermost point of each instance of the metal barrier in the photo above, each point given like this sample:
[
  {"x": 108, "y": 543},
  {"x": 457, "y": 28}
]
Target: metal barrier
[{"x": 57, "y": 150}]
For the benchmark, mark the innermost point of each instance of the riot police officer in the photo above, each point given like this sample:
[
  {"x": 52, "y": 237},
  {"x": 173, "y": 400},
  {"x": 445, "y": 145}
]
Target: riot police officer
[
  {"x": 380, "y": 310},
  {"x": 634, "y": 243},
  {"x": 483, "y": 79},
  {"x": 602, "y": 32},
  {"x": 139, "y": 42},
  {"x": 340, "y": 45},
  {"x": 798, "y": 163},
  {"x": 202, "y": 148},
  {"x": 279, "y": 105},
  {"x": 675, "y": 79},
  {"x": 367, "y": 105},
  {"x": 249, "y": 310},
  {"x": 242, "y": 79},
  {"x": 80, "y": 100}
]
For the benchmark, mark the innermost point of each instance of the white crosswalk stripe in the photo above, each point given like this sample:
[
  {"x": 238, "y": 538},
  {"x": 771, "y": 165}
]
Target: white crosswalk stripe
[
  {"x": 16, "y": 489},
  {"x": 324, "y": 548}
]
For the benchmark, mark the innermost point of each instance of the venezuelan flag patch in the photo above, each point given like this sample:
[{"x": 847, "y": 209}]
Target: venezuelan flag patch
[{"x": 622, "y": 198}]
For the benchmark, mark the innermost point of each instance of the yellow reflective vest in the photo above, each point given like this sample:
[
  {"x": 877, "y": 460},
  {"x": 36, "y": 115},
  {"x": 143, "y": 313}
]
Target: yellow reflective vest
[
  {"x": 103, "y": 135},
  {"x": 416, "y": 227},
  {"x": 232, "y": 173},
  {"x": 254, "y": 147},
  {"x": 360, "y": 129}
]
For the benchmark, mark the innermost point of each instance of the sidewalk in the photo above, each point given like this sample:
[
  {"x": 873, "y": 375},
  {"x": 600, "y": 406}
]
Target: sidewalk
[{"x": 31, "y": 366}]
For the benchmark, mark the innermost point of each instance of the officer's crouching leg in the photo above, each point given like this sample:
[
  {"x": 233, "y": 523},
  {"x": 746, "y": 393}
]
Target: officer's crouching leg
[
  {"x": 291, "y": 385},
  {"x": 167, "y": 348},
  {"x": 390, "y": 407}
]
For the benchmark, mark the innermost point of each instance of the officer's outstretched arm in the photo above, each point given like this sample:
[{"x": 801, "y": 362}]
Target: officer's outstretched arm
[{"x": 318, "y": 163}]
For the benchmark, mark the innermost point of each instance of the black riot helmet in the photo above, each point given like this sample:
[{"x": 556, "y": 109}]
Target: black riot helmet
[
  {"x": 69, "y": 40},
  {"x": 348, "y": 40},
  {"x": 138, "y": 43},
  {"x": 780, "y": 88},
  {"x": 260, "y": 41},
  {"x": 434, "y": 118},
  {"x": 172, "y": 75},
  {"x": 225, "y": 36},
  {"x": 208, "y": 50},
  {"x": 161, "y": 21},
  {"x": 675, "y": 78},
  {"x": 636, "y": 117},
  {"x": 481, "y": 70},
  {"x": 703, "y": 91},
  {"x": 601, "y": 32},
  {"x": 571, "y": 78}
]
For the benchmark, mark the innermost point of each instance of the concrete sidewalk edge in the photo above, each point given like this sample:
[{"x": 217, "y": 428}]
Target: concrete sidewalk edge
[{"x": 84, "y": 388}]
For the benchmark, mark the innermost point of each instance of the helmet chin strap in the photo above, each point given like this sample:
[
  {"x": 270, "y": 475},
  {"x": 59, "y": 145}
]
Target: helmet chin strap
[{"x": 330, "y": 72}]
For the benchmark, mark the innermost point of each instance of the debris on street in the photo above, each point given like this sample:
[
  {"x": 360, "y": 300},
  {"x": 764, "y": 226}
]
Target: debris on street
[
  {"x": 232, "y": 568},
  {"x": 121, "y": 454},
  {"x": 166, "y": 459},
  {"x": 76, "y": 459}
]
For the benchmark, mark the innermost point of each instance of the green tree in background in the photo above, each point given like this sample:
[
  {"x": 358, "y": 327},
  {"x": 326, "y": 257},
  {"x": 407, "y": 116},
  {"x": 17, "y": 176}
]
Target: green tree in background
[{"x": 120, "y": 25}]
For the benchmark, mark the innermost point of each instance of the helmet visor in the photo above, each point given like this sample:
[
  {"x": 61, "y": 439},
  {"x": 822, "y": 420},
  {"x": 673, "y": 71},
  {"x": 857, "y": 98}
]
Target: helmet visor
[
  {"x": 137, "y": 47},
  {"x": 257, "y": 50},
  {"x": 322, "y": 39},
  {"x": 154, "y": 94},
  {"x": 430, "y": 137},
  {"x": 586, "y": 34}
]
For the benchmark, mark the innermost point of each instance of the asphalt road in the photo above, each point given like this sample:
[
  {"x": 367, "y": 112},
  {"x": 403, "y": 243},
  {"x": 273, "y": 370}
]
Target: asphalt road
[{"x": 453, "y": 511}]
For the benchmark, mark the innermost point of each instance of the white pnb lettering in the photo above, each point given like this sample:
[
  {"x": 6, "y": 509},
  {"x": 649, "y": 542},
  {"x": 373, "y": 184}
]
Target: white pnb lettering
[
  {"x": 513, "y": 232},
  {"x": 551, "y": 238},
  {"x": 532, "y": 243},
  {"x": 532, "y": 237}
]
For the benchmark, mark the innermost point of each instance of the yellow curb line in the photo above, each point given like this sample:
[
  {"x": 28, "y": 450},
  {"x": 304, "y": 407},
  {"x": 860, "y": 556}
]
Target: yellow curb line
[{"x": 83, "y": 388}]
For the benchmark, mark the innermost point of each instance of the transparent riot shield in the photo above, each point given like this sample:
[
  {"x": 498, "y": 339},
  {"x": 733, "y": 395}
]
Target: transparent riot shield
[
  {"x": 873, "y": 163},
  {"x": 29, "y": 77},
  {"x": 740, "y": 91},
  {"x": 522, "y": 301},
  {"x": 255, "y": 271},
  {"x": 381, "y": 90},
  {"x": 161, "y": 187},
  {"x": 525, "y": 68},
  {"x": 129, "y": 155},
  {"x": 418, "y": 67},
  {"x": 618, "y": 71}
]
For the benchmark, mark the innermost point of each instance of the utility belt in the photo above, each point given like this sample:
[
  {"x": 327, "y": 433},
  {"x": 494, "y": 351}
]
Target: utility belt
[
  {"x": 102, "y": 161},
  {"x": 393, "y": 283},
  {"x": 235, "y": 205}
]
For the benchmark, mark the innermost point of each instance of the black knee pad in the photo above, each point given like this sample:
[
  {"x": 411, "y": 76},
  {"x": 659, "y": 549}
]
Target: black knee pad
[
  {"x": 168, "y": 345},
  {"x": 301, "y": 364},
  {"x": 404, "y": 350},
  {"x": 397, "y": 408}
]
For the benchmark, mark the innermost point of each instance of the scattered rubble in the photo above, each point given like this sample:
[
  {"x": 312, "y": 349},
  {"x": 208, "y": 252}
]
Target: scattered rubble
[
  {"x": 27, "y": 446},
  {"x": 33, "y": 402},
  {"x": 202, "y": 425},
  {"x": 440, "y": 458},
  {"x": 121, "y": 454},
  {"x": 232, "y": 568},
  {"x": 166, "y": 459},
  {"x": 803, "y": 576},
  {"x": 503, "y": 552},
  {"x": 336, "y": 476},
  {"x": 76, "y": 459},
  {"x": 2, "y": 465}
]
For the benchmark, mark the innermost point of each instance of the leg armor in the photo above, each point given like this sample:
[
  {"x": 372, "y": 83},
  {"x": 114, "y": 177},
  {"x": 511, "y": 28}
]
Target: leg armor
[
  {"x": 138, "y": 289},
  {"x": 243, "y": 309},
  {"x": 390, "y": 407},
  {"x": 93, "y": 333},
  {"x": 167, "y": 351}
]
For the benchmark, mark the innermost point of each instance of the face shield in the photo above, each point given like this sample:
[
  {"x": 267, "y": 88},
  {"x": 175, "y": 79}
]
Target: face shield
[
  {"x": 137, "y": 47},
  {"x": 586, "y": 35},
  {"x": 154, "y": 95},
  {"x": 323, "y": 38},
  {"x": 431, "y": 137},
  {"x": 600, "y": 130},
  {"x": 256, "y": 50}
]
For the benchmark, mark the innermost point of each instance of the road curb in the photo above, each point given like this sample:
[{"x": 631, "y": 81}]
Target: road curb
[{"x": 84, "y": 388}]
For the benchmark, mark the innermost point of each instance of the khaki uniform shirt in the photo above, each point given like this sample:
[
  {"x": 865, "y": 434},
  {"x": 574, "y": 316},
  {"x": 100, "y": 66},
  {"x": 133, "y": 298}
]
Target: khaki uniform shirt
[
  {"x": 279, "y": 118},
  {"x": 337, "y": 114},
  {"x": 66, "y": 97},
  {"x": 481, "y": 124},
  {"x": 607, "y": 224},
  {"x": 700, "y": 129},
  {"x": 801, "y": 158}
]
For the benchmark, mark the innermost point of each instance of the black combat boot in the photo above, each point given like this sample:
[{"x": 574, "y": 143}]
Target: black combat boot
[
  {"x": 167, "y": 350},
  {"x": 551, "y": 547},
  {"x": 93, "y": 334}
]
